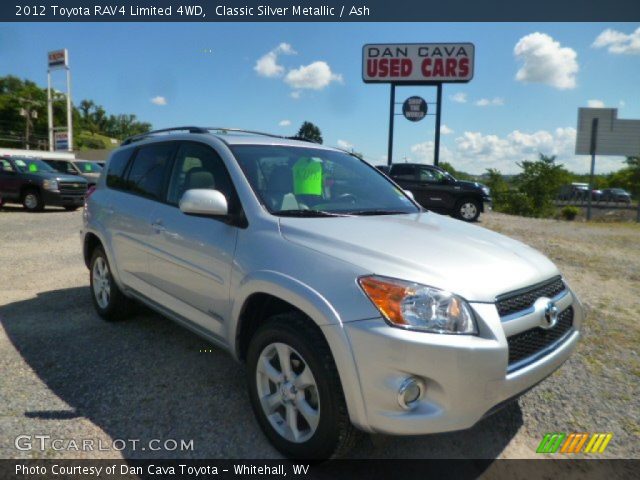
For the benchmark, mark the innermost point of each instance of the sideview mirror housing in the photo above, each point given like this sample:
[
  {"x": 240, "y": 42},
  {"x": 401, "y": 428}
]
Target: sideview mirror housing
[{"x": 204, "y": 201}]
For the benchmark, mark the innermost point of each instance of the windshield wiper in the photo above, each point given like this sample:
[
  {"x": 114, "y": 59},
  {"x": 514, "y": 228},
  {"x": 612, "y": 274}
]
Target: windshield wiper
[
  {"x": 307, "y": 213},
  {"x": 377, "y": 212}
]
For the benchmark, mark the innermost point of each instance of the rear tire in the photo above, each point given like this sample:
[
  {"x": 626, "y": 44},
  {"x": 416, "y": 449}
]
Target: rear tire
[
  {"x": 32, "y": 200},
  {"x": 468, "y": 210},
  {"x": 108, "y": 300},
  {"x": 299, "y": 403}
]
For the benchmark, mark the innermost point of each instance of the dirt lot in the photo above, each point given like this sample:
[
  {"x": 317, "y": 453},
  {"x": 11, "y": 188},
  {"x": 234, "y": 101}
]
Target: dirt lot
[{"x": 67, "y": 374}]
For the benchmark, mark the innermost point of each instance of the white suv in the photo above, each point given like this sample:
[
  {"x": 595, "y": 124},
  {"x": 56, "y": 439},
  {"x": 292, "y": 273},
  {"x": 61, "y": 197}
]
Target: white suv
[{"x": 354, "y": 308}]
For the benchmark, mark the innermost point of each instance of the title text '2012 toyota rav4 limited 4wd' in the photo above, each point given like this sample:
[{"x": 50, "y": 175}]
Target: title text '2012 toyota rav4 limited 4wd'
[{"x": 353, "y": 308}]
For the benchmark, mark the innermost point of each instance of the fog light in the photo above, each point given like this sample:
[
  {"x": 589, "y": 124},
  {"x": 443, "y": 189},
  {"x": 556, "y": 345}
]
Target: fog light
[{"x": 410, "y": 391}]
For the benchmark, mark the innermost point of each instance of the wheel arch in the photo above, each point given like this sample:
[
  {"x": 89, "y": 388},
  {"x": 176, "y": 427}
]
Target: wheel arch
[{"x": 267, "y": 293}]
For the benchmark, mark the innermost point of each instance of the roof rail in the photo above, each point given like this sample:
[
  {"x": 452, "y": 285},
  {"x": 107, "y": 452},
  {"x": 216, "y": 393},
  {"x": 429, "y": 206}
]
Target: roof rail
[
  {"x": 141, "y": 136},
  {"x": 136, "y": 138}
]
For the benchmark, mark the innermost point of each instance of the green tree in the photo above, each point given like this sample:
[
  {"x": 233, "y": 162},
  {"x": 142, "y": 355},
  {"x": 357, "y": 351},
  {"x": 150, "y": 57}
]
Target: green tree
[
  {"x": 308, "y": 131},
  {"x": 456, "y": 173},
  {"x": 540, "y": 181},
  {"x": 628, "y": 178}
]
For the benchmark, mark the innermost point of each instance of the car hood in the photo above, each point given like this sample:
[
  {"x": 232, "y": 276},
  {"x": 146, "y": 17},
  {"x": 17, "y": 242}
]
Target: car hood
[
  {"x": 468, "y": 184},
  {"x": 61, "y": 177},
  {"x": 426, "y": 248}
]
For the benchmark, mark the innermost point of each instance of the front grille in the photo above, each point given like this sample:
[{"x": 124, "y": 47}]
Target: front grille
[
  {"x": 519, "y": 300},
  {"x": 72, "y": 188},
  {"x": 536, "y": 340}
]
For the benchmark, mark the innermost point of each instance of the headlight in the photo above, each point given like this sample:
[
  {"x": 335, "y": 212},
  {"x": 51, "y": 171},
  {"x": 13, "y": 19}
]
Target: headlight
[
  {"x": 486, "y": 191},
  {"x": 50, "y": 184},
  {"x": 418, "y": 307}
]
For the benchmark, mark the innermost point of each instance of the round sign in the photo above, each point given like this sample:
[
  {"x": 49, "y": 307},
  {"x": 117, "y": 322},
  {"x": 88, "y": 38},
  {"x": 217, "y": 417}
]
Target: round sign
[{"x": 414, "y": 109}]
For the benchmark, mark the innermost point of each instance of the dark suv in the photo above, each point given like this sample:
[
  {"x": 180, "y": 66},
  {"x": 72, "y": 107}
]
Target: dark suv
[
  {"x": 35, "y": 184},
  {"x": 436, "y": 189}
]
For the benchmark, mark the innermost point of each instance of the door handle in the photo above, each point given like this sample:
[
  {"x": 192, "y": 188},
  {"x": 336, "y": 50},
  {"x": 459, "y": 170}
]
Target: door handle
[{"x": 158, "y": 226}]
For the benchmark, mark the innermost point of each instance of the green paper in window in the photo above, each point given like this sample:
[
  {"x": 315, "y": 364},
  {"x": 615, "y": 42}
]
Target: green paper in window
[
  {"x": 33, "y": 167},
  {"x": 307, "y": 177}
]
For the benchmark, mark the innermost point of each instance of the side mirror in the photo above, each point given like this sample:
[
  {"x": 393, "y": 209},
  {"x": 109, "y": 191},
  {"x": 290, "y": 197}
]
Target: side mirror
[
  {"x": 409, "y": 194},
  {"x": 204, "y": 201}
]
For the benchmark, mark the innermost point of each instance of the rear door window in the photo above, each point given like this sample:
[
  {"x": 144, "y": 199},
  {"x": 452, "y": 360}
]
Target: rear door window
[
  {"x": 148, "y": 170},
  {"x": 403, "y": 172}
]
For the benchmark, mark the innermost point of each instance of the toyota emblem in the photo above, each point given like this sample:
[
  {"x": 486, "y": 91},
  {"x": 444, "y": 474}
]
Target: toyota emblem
[{"x": 550, "y": 315}]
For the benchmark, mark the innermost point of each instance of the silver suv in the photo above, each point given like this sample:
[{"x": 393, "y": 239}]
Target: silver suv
[{"x": 353, "y": 308}]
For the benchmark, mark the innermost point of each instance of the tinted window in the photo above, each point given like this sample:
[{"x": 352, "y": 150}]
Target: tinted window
[
  {"x": 147, "y": 173},
  {"x": 403, "y": 172},
  {"x": 5, "y": 166},
  {"x": 115, "y": 170},
  {"x": 199, "y": 166}
]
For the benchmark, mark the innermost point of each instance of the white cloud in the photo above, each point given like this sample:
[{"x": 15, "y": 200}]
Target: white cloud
[
  {"x": 315, "y": 76},
  {"x": 296, "y": 94},
  {"x": 159, "y": 100},
  {"x": 546, "y": 61},
  {"x": 622, "y": 103},
  {"x": 423, "y": 152},
  {"x": 595, "y": 103},
  {"x": 494, "y": 102},
  {"x": 474, "y": 152},
  {"x": 345, "y": 145},
  {"x": 284, "y": 123},
  {"x": 618, "y": 42},
  {"x": 267, "y": 65},
  {"x": 444, "y": 130},
  {"x": 459, "y": 97}
]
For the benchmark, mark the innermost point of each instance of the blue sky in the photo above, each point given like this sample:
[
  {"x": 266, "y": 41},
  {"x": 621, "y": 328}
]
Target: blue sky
[{"x": 206, "y": 74}]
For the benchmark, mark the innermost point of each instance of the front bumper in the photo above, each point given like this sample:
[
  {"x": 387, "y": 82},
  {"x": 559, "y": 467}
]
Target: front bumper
[
  {"x": 62, "y": 199},
  {"x": 465, "y": 376}
]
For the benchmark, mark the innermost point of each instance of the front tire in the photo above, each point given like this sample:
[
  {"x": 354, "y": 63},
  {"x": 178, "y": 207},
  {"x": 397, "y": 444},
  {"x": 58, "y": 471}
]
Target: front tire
[
  {"x": 295, "y": 390},
  {"x": 108, "y": 300},
  {"x": 468, "y": 210},
  {"x": 32, "y": 200}
]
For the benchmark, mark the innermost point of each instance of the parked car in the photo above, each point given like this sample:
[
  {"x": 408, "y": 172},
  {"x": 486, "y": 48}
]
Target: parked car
[
  {"x": 34, "y": 184},
  {"x": 575, "y": 191},
  {"x": 616, "y": 195},
  {"x": 89, "y": 170},
  {"x": 596, "y": 194},
  {"x": 436, "y": 189},
  {"x": 352, "y": 306}
]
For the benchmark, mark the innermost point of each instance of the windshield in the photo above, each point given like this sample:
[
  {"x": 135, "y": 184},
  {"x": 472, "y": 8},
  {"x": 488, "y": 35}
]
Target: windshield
[
  {"x": 88, "y": 167},
  {"x": 300, "y": 181},
  {"x": 32, "y": 165}
]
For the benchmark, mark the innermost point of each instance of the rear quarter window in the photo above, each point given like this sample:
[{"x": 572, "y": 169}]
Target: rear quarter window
[{"x": 116, "y": 167}]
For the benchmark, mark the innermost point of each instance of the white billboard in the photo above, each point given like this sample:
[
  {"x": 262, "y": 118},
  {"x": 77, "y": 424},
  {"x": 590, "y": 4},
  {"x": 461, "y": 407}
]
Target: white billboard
[
  {"x": 418, "y": 63},
  {"x": 614, "y": 136},
  {"x": 58, "y": 59}
]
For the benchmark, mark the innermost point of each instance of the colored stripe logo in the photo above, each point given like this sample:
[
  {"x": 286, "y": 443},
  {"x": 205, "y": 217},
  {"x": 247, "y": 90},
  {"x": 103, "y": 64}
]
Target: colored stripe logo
[{"x": 574, "y": 443}]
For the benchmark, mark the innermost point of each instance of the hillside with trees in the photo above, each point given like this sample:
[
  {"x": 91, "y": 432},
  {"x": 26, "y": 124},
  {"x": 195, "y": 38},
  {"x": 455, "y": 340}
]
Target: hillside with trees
[{"x": 23, "y": 119}]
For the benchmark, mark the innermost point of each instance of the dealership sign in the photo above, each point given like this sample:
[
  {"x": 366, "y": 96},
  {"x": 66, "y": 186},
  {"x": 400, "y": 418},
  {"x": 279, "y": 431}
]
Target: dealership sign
[
  {"x": 418, "y": 63},
  {"x": 58, "y": 58},
  {"x": 61, "y": 140}
]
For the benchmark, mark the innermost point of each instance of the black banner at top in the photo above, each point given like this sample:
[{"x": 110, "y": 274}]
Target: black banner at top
[{"x": 318, "y": 11}]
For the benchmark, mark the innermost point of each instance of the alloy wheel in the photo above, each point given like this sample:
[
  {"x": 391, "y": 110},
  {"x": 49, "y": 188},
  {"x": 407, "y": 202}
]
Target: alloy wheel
[
  {"x": 101, "y": 282},
  {"x": 288, "y": 392}
]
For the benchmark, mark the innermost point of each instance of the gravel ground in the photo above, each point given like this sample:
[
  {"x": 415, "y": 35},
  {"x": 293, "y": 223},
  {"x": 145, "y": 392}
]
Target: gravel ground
[{"x": 67, "y": 374}]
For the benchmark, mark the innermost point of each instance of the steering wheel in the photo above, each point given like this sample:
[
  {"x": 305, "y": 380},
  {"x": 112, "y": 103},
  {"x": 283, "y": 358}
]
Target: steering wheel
[{"x": 348, "y": 197}]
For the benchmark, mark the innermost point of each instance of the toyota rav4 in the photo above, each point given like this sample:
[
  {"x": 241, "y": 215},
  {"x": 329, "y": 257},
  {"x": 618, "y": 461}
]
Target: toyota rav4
[{"x": 354, "y": 308}]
